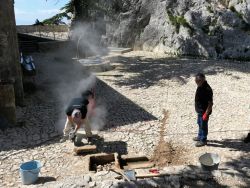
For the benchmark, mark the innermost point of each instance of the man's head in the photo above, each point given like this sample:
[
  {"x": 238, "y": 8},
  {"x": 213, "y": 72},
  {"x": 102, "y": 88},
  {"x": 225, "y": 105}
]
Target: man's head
[
  {"x": 76, "y": 116},
  {"x": 200, "y": 79}
]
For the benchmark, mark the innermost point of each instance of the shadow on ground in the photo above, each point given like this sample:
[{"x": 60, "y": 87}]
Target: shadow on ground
[
  {"x": 119, "y": 147},
  {"x": 149, "y": 71},
  {"x": 57, "y": 82},
  {"x": 103, "y": 146},
  {"x": 121, "y": 110},
  {"x": 232, "y": 144},
  {"x": 241, "y": 168},
  {"x": 45, "y": 179},
  {"x": 197, "y": 177},
  {"x": 190, "y": 176}
]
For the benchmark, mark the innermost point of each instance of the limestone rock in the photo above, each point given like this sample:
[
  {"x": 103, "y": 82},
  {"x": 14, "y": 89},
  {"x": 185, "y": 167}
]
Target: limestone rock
[
  {"x": 197, "y": 28},
  {"x": 87, "y": 178}
]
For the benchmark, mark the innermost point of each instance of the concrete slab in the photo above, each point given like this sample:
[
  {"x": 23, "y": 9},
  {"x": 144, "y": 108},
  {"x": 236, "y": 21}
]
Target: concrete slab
[
  {"x": 116, "y": 50},
  {"x": 95, "y": 64}
]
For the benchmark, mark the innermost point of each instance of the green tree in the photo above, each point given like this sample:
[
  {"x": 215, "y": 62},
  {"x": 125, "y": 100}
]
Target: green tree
[
  {"x": 37, "y": 22},
  {"x": 82, "y": 10}
]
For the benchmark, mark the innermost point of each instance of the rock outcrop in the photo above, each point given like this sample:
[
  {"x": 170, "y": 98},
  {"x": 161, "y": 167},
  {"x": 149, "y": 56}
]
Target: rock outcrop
[{"x": 215, "y": 29}]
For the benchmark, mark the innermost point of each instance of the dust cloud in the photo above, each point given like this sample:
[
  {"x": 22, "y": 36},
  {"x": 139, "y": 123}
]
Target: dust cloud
[{"x": 71, "y": 78}]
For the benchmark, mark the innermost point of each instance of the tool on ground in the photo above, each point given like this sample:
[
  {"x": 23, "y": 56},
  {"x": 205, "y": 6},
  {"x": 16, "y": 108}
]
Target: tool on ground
[
  {"x": 130, "y": 174},
  {"x": 150, "y": 175},
  {"x": 121, "y": 172},
  {"x": 154, "y": 171}
]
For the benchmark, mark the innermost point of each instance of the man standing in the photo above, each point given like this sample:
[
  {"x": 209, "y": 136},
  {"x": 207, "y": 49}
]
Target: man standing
[{"x": 203, "y": 107}]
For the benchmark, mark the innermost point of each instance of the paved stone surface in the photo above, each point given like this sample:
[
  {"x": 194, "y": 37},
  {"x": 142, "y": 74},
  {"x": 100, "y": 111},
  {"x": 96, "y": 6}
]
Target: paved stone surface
[{"x": 134, "y": 95}]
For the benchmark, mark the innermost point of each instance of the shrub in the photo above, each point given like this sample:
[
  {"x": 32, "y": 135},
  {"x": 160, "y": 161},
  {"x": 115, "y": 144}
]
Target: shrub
[
  {"x": 178, "y": 21},
  {"x": 210, "y": 9}
]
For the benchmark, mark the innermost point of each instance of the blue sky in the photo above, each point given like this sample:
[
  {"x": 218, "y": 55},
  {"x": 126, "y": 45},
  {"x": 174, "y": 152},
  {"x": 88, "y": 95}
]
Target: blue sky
[{"x": 27, "y": 11}]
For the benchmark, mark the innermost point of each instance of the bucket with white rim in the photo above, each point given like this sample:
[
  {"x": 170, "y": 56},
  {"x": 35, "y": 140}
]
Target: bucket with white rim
[
  {"x": 29, "y": 171},
  {"x": 209, "y": 161}
]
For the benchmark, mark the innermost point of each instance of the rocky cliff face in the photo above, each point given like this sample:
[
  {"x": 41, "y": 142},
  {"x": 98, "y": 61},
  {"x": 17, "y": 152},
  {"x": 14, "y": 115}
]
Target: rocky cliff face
[{"x": 209, "y": 28}]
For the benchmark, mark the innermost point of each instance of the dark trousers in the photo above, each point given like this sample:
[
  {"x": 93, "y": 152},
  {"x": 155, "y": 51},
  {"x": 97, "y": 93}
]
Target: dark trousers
[{"x": 203, "y": 128}]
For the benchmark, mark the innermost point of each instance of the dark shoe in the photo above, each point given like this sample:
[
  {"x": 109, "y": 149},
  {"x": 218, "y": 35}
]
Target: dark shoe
[
  {"x": 73, "y": 139},
  {"x": 201, "y": 143},
  {"x": 196, "y": 139},
  {"x": 78, "y": 144},
  {"x": 64, "y": 139},
  {"x": 90, "y": 139}
]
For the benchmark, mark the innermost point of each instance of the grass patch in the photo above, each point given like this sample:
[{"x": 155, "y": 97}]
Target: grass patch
[
  {"x": 210, "y": 9},
  {"x": 232, "y": 8},
  {"x": 179, "y": 21},
  {"x": 213, "y": 22},
  {"x": 205, "y": 29},
  {"x": 240, "y": 15},
  {"x": 246, "y": 26}
]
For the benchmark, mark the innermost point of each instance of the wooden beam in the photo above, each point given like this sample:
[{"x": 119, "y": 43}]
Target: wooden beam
[
  {"x": 85, "y": 149},
  {"x": 140, "y": 164},
  {"x": 134, "y": 158},
  {"x": 151, "y": 175}
]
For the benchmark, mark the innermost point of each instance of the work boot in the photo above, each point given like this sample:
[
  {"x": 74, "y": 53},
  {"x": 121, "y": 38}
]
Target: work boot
[
  {"x": 90, "y": 139},
  {"x": 201, "y": 143},
  {"x": 64, "y": 139},
  {"x": 78, "y": 144},
  {"x": 196, "y": 139}
]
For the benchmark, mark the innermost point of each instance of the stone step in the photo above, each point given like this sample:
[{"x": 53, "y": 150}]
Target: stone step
[{"x": 116, "y": 50}]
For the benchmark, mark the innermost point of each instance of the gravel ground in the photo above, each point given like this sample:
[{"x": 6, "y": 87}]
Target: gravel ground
[
  {"x": 135, "y": 94},
  {"x": 156, "y": 83}
]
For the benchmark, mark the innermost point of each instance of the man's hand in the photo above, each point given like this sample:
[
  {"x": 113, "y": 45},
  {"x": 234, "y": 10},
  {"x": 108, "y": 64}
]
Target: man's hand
[
  {"x": 72, "y": 135},
  {"x": 205, "y": 117}
]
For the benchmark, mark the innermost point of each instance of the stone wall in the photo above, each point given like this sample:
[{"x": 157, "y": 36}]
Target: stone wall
[
  {"x": 56, "y": 32},
  {"x": 52, "y": 35},
  {"x": 54, "y": 46},
  {"x": 10, "y": 70},
  {"x": 7, "y": 103},
  {"x": 216, "y": 29},
  {"x": 45, "y": 28}
]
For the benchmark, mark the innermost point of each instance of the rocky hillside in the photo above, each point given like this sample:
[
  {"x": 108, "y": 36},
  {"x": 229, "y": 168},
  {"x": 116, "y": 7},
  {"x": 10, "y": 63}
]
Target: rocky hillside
[{"x": 208, "y": 28}]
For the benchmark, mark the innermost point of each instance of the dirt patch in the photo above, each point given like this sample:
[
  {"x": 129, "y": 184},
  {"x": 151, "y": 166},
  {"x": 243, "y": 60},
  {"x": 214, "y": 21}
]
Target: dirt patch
[{"x": 165, "y": 153}]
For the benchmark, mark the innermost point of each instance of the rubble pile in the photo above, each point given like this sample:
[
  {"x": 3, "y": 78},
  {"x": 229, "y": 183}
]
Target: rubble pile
[{"x": 105, "y": 167}]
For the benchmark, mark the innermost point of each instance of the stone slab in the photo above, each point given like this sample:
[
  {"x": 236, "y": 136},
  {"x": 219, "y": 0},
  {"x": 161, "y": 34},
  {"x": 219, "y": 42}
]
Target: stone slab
[{"x": 85, "y": 149}]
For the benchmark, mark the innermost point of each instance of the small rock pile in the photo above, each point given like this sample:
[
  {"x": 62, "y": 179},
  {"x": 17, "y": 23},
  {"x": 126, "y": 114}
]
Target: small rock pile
[{"x": 105, "y": 167}]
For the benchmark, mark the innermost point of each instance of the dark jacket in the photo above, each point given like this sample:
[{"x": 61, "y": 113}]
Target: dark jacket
[
  {"x": 203, "y": 95},
  {"x": 78, "y": 103}
]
